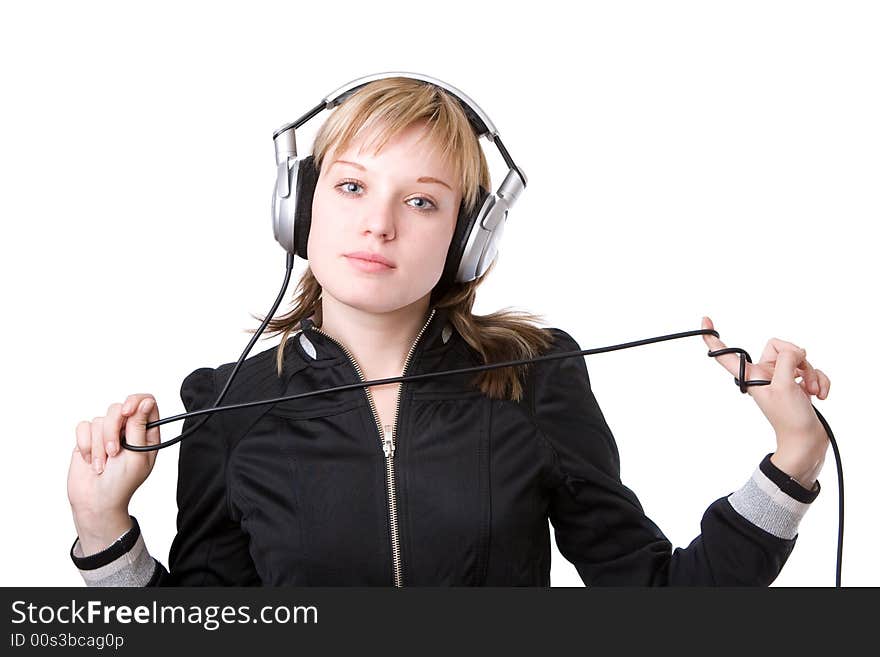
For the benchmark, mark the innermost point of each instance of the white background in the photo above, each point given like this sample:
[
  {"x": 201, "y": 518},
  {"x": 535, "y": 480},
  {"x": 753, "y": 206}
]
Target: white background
[{"x": 684, "y": 158}]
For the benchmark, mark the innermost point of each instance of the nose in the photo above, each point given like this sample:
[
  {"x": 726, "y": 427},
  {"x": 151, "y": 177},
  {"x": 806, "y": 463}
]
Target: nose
[{"x": 378, "y": 217}]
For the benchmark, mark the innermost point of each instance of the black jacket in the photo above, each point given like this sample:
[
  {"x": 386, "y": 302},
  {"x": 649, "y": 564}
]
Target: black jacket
[{"x": 302, "y": 493}]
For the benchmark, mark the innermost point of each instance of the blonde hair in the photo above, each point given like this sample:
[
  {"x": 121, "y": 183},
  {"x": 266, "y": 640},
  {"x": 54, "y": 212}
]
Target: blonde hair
[{"x": 389, "y": 106}]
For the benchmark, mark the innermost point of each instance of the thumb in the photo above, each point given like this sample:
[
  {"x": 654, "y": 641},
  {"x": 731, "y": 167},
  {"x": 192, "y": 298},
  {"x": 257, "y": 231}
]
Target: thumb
[
  {"x": 136, "y": 425},
  {"x": 786, "y": 365}
]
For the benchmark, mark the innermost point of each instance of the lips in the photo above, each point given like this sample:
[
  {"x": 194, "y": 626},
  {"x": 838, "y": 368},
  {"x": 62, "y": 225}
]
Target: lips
[{"x": 370, "y": 257}]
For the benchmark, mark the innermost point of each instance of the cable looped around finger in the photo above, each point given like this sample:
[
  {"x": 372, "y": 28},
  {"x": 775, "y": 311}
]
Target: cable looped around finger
[{"x": 743, "y": 357}]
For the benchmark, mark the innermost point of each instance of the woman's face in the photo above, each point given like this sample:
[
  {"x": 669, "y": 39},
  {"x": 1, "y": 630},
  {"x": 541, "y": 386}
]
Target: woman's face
[{"x": 401, "y": 204}]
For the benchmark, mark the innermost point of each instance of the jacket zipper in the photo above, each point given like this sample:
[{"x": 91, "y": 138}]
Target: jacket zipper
[{"x": 386, "y": 442}]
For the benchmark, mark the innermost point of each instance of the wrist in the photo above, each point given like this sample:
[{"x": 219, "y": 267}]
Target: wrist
[
  {"x": 97, "y": 532},
  {"x": 804, "y": 468}
]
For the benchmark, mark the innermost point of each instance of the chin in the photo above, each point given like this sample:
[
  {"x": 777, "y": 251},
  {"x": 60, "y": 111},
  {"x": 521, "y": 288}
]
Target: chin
[
  {"x": 375, "y": 299},
  {"x": 366, "y": 296}
]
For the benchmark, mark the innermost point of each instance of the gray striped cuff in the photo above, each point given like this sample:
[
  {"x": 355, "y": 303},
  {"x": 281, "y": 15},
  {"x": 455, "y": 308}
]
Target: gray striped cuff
[
  {"x": 133, "y": 568},
  {"x": 766, "y": 505}
]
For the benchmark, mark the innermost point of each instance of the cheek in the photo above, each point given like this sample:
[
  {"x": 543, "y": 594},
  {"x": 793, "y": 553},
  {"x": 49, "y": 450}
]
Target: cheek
[
  {"x": 444, "y": 238},
  {"x": 322, "y": 229},
  {"x": 430, "y": 249},
  {"x": 323, "y": 238}
]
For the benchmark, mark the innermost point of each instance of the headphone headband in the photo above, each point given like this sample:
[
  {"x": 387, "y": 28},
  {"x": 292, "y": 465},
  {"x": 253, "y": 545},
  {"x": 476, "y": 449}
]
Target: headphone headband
[
  {"x": 285, "y": 140},
  {"x": 478, "y": 118}
]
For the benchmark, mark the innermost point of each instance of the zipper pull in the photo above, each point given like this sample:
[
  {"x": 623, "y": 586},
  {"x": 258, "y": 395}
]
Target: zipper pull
[{"x": 388, "y": 443}]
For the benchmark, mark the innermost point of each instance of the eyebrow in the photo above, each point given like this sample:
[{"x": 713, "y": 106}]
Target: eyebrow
[{"x": 422, "y": 179}]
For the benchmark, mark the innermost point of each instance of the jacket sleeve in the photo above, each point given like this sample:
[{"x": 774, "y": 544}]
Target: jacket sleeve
[
  {"x": 209, "y": 549},
  {"x": 600, "y": 525}
]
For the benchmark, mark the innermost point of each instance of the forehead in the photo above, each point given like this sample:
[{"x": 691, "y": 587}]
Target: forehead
[{"x": 412, "y": 146}]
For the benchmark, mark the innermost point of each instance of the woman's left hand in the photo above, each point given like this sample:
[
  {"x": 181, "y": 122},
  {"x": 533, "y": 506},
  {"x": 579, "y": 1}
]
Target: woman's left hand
[{"x": 800, "y": 436}]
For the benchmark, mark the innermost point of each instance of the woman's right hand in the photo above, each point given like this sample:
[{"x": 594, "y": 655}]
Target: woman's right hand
[{"x": 103, "y": 476}]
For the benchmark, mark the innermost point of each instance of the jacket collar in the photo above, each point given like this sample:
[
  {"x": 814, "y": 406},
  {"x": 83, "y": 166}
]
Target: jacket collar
[{"x": 317, "y": 346}]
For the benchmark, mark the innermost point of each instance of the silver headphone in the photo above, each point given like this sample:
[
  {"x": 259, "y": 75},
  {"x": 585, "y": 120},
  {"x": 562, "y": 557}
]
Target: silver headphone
[{"x": 477, "y": 237}]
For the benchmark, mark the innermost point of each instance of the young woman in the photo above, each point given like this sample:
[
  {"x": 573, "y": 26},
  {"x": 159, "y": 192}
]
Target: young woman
[{"x": 447, "y": 481}]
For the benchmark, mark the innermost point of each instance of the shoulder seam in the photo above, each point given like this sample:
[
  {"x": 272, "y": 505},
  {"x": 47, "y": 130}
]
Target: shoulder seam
[{"x": 530, "y": 412}]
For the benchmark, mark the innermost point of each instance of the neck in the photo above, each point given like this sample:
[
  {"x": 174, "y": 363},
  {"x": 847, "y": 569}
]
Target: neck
[{"x": 380, "y": 342}]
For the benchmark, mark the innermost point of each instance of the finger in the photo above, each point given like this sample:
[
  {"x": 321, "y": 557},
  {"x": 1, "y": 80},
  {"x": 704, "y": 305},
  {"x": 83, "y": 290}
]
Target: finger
[
  {"x": 786, "y": 368},
  {"x": 99, "y": 457},
  {"x": 76, "y": 459},
  {"x": 84, "y": 440},
  {"x": 824, "y": 384},
  {"x": 135, "y": 426},
  {"x": 775, "y": 346},
  {"x": 153, "y": 433},
  {"x": 112, "y": 423},
  {"x": 778, "y": 345},
  {"x": 730, "y": 361},
  {"x": 131, "y": 402},
  {"x": 804, "y": 385},
  {"x": 809, "y": 373},
  {"x": 130, "y": 406},
  {"x": 811, "y": 380},
  {"x": 153, "y": 436}
]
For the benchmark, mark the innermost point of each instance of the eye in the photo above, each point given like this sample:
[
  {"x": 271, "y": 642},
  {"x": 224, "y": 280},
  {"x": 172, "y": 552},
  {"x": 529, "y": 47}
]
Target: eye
[
  {"x": 349, "y": 188},
  {"x": 422, "y": 207},
  {"x": 345, "y": 184}
]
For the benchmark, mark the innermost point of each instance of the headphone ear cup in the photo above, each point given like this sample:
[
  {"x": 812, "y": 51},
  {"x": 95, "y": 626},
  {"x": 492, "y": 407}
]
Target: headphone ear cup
[
  {"x": 306, "y": 181},
  {"x": 463, "y": 227}
]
